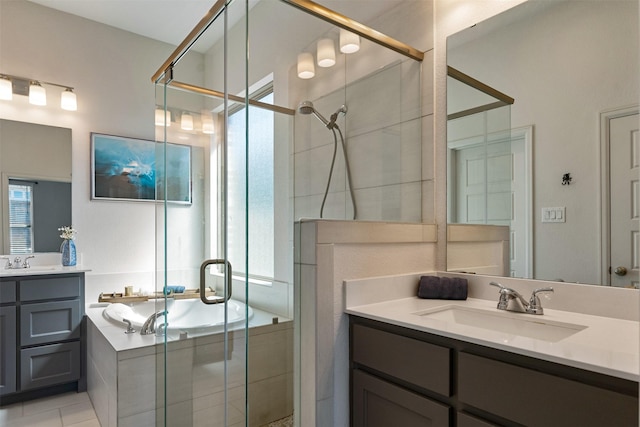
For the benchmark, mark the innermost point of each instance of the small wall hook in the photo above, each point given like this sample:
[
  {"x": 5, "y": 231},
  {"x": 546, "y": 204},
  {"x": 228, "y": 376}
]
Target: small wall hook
[{"x": 566, "y": 179}]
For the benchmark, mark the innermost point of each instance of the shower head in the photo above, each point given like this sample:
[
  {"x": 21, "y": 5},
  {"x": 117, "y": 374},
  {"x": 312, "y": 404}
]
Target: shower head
[{"x": 306, "y": 107}]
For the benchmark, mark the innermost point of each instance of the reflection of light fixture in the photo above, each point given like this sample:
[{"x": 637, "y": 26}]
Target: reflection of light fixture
[
  {"x": 6, "y": 90},
  {"x": 186, "y": 122},
  {"x": 326, "y": 53},
  {"x": 349, "y": 42},
  {"x": 161, "y": 115},
  {"x": 10, "y": 85},
  {"x": 37, "y": 94},
  {"x": 306, "y": 69},
  {"x": 68, "y": 100},
  {"x": 207, "y": 122}
]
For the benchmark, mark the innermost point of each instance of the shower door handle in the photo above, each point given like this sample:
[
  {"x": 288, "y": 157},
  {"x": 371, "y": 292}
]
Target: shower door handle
[{"x": 228, "y": 284}]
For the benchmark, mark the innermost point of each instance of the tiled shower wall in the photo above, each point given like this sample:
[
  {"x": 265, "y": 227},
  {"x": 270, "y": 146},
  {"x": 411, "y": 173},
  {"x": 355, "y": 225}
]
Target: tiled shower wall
[
  {"x": 383, "y": 137},
  {"x": 388, "y": 130}
]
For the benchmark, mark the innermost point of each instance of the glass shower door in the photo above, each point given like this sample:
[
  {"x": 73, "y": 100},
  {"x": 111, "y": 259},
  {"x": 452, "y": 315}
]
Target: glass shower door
[{"x": 202, "y": 329}]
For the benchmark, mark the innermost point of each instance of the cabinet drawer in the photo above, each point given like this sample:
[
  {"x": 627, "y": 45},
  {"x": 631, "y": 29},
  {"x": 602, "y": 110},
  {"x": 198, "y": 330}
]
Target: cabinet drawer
[
  {"x": 417, "y": 362},
  {"x": 7, "y": 292},
  {"x": 378, "y": 403},
  {"x": 534, "y": 398},
  {"x": 50, "y": 288},
  {"x": 49, "y": 365},
  {"x": 49, "y": 321}
]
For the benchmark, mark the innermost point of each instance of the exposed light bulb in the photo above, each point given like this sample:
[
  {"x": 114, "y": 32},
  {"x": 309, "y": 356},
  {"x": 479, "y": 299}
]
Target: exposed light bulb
[
  {"x": 186, "y": 122},
  {"x": 37, "y": 94},
  {"x": 326, "y": 53},
  {"x": 349, "y": 42},
  {"x": 68, "y": 100},
  {"x": 6, "y": 89},
  {"x": 306, "y": 69}
]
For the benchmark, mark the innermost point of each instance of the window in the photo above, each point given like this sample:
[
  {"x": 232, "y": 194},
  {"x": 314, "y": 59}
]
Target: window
[
  {"x": 260, "y": 215},
  {"x": 20, "y": 217}
]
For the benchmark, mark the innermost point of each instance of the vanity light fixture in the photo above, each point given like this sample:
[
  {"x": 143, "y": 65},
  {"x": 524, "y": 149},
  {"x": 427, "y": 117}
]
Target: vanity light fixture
[
  {"x": 189, "y": 121},
  {"x": 326, "y": 53},
  {"x": 6, "y": 89},
  {"x": 35, "y": 91},
  {"x": 37, "y": 94},
  {"x": 349, "y": 42},
  {"x": 306, "y": 69},
  {"x": 186, "y": 122},
  {"x": 68, "y": 100}
]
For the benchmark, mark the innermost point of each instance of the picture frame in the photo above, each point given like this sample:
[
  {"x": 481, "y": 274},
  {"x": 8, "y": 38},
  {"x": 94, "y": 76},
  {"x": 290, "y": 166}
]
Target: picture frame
[{"x": 132, "y": 169}]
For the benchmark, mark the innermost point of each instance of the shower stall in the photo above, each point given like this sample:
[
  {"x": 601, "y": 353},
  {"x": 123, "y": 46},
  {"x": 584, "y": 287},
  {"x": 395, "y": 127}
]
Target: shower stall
[{"x": 231, "y": 92}]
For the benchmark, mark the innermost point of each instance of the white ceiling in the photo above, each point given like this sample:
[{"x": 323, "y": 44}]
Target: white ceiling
[{"x": 170, "y": 21}]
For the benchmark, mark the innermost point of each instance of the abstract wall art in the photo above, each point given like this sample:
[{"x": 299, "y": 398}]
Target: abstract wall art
[{"x": 139, "y": 170}]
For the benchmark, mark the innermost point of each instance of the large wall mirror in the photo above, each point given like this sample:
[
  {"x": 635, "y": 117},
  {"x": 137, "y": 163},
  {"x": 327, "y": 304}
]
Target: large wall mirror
[
  {"x": 559, "y": 165},
  {"x": 35, "y": 175}
]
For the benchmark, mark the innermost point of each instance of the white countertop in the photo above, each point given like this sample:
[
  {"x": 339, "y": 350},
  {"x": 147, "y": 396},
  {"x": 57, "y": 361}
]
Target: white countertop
[
  {"x": 41, "y": 270},
  {"x": 607, "y": 345}
]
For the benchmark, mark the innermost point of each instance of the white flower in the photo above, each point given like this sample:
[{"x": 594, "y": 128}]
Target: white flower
[{"x": 67, "y": 232}]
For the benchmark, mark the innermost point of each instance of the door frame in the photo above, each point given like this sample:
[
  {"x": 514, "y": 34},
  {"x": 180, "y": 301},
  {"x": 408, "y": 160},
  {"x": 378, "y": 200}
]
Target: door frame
[{"x": 604, "y": 241}]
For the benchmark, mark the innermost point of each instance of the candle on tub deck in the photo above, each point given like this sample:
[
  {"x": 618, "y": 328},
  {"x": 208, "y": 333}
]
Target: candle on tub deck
[{"x": 128, "y": 291}]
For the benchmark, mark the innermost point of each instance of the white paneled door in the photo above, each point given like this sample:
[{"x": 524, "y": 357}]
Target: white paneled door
[
  {"x": 492, "y": 186},
  {"x": 624, "y": 171}
]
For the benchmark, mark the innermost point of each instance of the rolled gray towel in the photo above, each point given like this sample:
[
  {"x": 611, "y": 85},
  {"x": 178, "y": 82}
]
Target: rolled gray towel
[{"x": 434, "y": 287}]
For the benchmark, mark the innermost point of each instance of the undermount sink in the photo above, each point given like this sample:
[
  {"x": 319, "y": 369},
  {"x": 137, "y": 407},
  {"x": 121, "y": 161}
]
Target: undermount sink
[
  {"x": 33, "y": 268},
  {"x": 512, "y": 324},
  {"x": 42, "y": 267}
]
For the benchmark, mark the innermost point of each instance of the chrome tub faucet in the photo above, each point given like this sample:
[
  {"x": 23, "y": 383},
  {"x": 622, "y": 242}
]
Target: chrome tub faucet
[
  {"x": 149, "y": 326},
  {"x": 511, "y": 300}
]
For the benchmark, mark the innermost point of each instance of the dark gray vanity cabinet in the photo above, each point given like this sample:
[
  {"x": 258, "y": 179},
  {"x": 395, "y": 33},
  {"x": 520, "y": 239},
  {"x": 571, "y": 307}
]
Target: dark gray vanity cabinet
[
  {"x": 421, "y": 379},
  {"x": 44, "y": 346}
]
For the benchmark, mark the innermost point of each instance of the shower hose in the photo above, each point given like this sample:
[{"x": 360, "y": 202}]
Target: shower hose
[{"x": 348, "y": 168}]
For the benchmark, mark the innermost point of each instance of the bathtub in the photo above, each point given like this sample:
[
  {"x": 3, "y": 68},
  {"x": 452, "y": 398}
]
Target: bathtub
[
  {"x": 125, "y": 375},
  {"x": 184, "y": 315}
]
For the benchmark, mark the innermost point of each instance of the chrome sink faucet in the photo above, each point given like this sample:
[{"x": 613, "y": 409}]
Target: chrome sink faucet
[
  {"x": 17, "y": 263},
  {"x": 511, "y": 300}
]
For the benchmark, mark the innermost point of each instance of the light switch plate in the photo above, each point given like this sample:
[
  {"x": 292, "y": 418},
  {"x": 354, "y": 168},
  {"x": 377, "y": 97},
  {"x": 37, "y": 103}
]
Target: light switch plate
[{"x": 554, "y": 214}]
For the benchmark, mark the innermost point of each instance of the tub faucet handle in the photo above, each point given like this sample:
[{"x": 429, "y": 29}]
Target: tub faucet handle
[{"x": 130, "y": 329}]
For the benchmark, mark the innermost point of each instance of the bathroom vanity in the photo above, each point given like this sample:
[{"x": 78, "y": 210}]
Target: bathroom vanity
[
  {"x": 42, "y": 336},
  {"x": 405, "y": 377},
  {"x": 465, "y": 363}
]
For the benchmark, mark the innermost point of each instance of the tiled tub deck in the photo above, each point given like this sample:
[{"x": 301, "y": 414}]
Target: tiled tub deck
[{"x": 126, "y": 379}]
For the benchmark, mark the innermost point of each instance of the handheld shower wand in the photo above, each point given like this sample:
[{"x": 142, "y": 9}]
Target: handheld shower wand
[{"x": 306, "y": 107}]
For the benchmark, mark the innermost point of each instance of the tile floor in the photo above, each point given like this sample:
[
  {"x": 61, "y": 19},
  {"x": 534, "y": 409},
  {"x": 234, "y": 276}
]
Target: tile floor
[{"x": 68, "y": 409}]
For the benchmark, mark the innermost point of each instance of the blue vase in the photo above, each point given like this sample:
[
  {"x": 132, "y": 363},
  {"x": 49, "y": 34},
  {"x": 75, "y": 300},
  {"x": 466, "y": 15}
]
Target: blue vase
[{"x": 68, "y": 249}]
